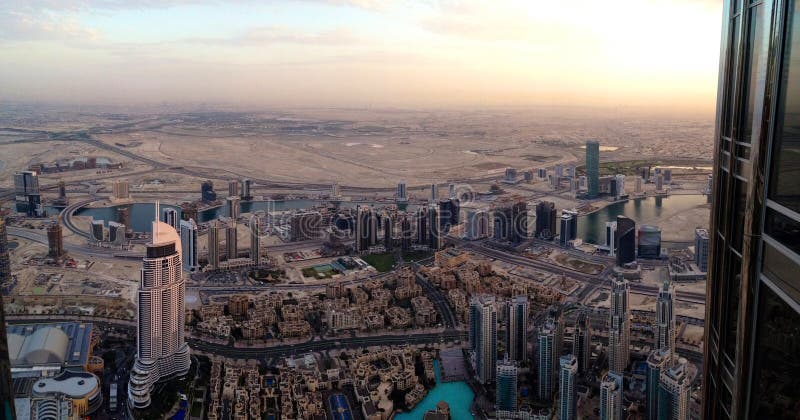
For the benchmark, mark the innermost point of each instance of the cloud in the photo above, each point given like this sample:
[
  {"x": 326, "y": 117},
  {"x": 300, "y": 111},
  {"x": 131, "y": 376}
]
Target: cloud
[
  {"x": 16, "y": 26},
  {"x": 271, "y": 35}
]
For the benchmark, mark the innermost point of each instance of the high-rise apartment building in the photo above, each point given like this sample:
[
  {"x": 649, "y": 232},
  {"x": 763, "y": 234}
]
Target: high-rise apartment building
[
  {"x": 188, "y": 232},
  {"x": 483, "y": 337},
  {"x": 546, "y": 360},
  {"x": 649, "y": 240},
  {"x": 665, "y": 317},
  {"x": 234, "y": 206},
  {"x": 232, "y": 240},
  {"x": 233, "y": 188},
  {"x": 619, "y": 326},
  {"x": 26, "y": 193},
  {"x": 120, "y": 190},
  {"x": 593, "y": 168},
  {"x": 55, "y": 240},
  {"x": 750, "y": 364},
  {"x": 582, "y": 342},
  {"x": 610, "y": 244},
  {"x": 171, "y": 218},
  {"x": 401, "y": 194},
  {"x": 215, "y": 233},
  {"x": 506, "y": 386},
  {"x": 255, "y": 240},
  {"x": 434, "y": 193},
  {"x": 517, "y": 311},
  {"x": 569, "y": 371},
  {"x": 611, "y": 407},
  {"x": 519, "y": 227},
  {"x": 247, "y": 194},
  {"x": 477, "y": 224},
  {"x": 674, "y": 391},
  {"x": 658, "y": 361},
  {"x": 161, "y": 350},
  {"x": 434, "y": 233}
]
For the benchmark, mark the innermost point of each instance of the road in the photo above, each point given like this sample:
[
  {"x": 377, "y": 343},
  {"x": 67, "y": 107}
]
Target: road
[{"x": 327, "y": 344}]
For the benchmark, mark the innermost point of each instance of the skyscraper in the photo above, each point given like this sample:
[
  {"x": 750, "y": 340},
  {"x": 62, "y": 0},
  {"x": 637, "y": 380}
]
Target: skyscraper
[
  {"x": 477, "y": 224},
  {"x": 610, "y": 244},
  {"x": 619, "y": 326},
  {"x": 255, "y": 240},
  {"x": 232, "y": 240},
  {"x": 665, "y": 317},
  {"x": 188, "y": 231},
  {"x": 422, "y": 226},
  {"x": 387, "y": 222},
  {"x": 6, "y": 390},
  {"x": 247, "y": 195},
  {"x": 483, "y": 337},
  {"x": 611, "y": 397},
  {"x": 517, "y": 329},
  {"x": 161, "y": 350},
  {"x": 519, "y": 227},
  {"x": 503, "y": 221},
  {"x": 506, "y": 387},
  {"x": 592, "y": 167},
  {"x": 701, "y": 249},
  {"x": 434, "y": 234},
  {"x": 569, "y": 370},
  {"x": 750, "y": 364},
  {"x": 401, "y": 195},
  {"x": 434, "y": 193},
  {"x": 55, "y": 240},
  {"x": 546, "y": 360},
  {"x": 545, "y": 220},
  {"x": 405, "y": 227},
  {"x": 214, "y": 236},
  {"x": 582, "y": 342},
  {"x": 233, "y": 188},
  {"x": 658, "y": 361},
  {"x": 234, "y": 207},
  {"x": 26, "y": 193},
  {"x": 171, "y": 217},
  {"x": 569, "y": 227},
  {"x": 674, "y": 391},
  {"x": 625, "y": 241}
]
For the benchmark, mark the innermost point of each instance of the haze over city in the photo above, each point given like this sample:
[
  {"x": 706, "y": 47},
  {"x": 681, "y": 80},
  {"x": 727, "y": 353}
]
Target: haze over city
[
  {"x": 640, "y": 55},
  {"x": 399, "y": 210}
]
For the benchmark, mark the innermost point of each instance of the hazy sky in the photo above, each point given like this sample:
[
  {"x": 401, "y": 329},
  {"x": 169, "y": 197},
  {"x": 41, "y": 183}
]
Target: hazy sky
[{"x": 634, "y": 53}]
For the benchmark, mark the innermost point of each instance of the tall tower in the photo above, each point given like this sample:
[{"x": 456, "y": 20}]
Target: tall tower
[
  {"x": 506, "y": 388},
  {"x": 214, "y": 236},
  {"x": 434, "y": 235},
  {"x": 674, "y": 391},
  {"x": 619, "y": 326},
  {"x": 611, "y": 397},
  {"x": 171, "y": 217},
  {"x": 483, "y": 336},
  {"x": 665, "y": 317},
  {"x": 55, "y": 241},
  {"x": 401, "y": 194},
  {"x": 625, "y": 240},
  {"x": 546, "y": 360},
  {"x": 517, "y": 311},
  {"x": 161, "y": 350},
  {"x": 701, "y": 249},
  {"x": 569, "y": 227},
  {"x": 255, "y": 240},
  {"x": 422, "y": 227},
  {"x": 569, "y": 370},
  {"x": 434, "y": 193},
  {"x": 752, "y": 301},
  {"x": 6, "y": 390},
  {"x": 232, "y": 240},
  {"x": 582, "y": 342},
  {"x": 611, "y": 231},
  {"x": 545, "y": 220},
  {"x": 234, "y": 208},
  {"x": 388, "y": 231},
  {"x": 593, "y": 167},
  {"x": 246, "y": 194},
  {"x": 658, "y": 361},
  {"x": 189, "y": 244}
]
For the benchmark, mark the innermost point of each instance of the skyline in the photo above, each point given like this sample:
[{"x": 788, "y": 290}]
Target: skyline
[{"x": 363, "y": 53}]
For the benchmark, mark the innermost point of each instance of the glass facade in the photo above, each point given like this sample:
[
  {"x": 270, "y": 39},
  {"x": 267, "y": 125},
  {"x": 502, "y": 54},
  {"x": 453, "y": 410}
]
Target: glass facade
[{"x": 753, "y": 296}]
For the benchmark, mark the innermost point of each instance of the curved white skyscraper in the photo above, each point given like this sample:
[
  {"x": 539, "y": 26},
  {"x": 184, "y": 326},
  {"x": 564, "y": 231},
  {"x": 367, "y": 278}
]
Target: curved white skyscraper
[{"x": 161, "y": 350}]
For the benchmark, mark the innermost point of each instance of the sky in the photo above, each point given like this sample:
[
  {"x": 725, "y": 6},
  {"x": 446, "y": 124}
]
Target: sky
[{"x": 659, "y": 54}]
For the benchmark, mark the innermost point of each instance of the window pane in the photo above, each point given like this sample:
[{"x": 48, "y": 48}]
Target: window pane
[
  {"x": 737, "y": 222},
  {"x": 755, "y": 72},
  {"x": 730, "y": 77},
  {"x": 784, "y": 183},
  {"x": 776, "y": 368},
  {"x": 784, "y": 229},
  {"x": 781, "y": 270},
  {"x": 733, "y": 281}
]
